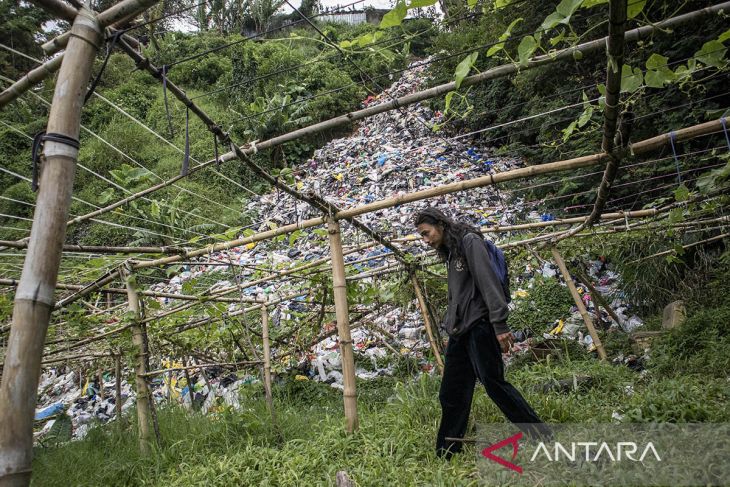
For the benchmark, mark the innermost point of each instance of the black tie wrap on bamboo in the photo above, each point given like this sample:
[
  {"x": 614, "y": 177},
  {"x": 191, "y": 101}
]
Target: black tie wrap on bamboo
[{"x": 38, "y": 141}]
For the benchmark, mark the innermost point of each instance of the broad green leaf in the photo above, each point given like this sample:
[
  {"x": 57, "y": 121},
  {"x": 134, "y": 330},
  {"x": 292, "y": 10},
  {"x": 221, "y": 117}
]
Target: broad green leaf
[
  {"x": 676, "y": 215},
  {"x": 346, "y": 44},
  {"x": 172, "y": 270},
  {"x": 155, "y": 209},
  {"x": 106, "y": 196},
  {"x": 656, "y": 61},
  {"x": 153, "y": 304},
  {"x": 395, "y": 16},
  {"x": 631, "y": 80},
  {"x": 471, "y": 3},
  {"x": 566, "y": 8},
  {"x": 724, "y": 36},
  {"x": 568, "y": 131},
  {"x": 551, "y": 21},
  {"x": 555, "y": 40},
  {"x": 232, "y": 233},
  {"x": 634, "y": 8},
  {"x": 447, "y": 100},
  {"x": 501, "y": 3},
  {"x": 525, "y": 49},
  {"x": 585, "y": 116},
  {"x": 712, "y": 54},
  {"x": 505, "y": 35},
  {"x": 422, "y": 3},
  {"x": 681, "y": 193},
  {"x": 592, "y": 3},
  {"x": 463, "y": 68}
]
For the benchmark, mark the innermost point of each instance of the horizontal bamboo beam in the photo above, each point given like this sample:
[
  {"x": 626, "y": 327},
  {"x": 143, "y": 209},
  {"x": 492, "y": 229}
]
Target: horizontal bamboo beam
[
  {"x": 82, "y": 356},
  {"x": 32, "y": 78},
  {"x": 202, "y": 366},
  {"x": 102, "y": 249},
  {"x": 154, "y": 294}
]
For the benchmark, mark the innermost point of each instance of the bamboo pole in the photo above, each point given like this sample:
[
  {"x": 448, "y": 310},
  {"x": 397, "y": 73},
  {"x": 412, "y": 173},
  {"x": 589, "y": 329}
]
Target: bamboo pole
[
  {"x": 102, "y": 249},
  {"x": 32, "y": 78},
  {"x": 34, "y": 296},
  {"x": 57, "y": 8},
  {"x": 339, "y": 287},
  {"x": 430, "y": 330},
  {"x": 201, "y": 366},
  {"x": 267, "y": 360},
  {"x": 154, "y": 294},
  {"x": 598, "y": 297},
  {"x": 494, "y": 73},
  {"x": 118, "y": 385},
  {"x": 579, "y": 303},
  {"x": 143, "y": 394}
]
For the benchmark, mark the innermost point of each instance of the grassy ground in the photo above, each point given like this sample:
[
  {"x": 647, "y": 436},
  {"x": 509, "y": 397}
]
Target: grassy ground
[{"x": 686, "y": 381}]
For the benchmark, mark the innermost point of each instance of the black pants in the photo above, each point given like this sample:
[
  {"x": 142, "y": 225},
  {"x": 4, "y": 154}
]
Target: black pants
[{"x": 475, "y": 355}]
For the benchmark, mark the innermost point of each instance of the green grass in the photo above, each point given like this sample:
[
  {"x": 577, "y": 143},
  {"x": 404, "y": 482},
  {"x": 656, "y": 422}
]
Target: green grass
[{"x": 686, "y": 380}]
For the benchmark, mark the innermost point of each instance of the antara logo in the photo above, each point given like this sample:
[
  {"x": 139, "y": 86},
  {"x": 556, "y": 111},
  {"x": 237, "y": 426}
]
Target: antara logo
[{"x": 591, "y": 451}]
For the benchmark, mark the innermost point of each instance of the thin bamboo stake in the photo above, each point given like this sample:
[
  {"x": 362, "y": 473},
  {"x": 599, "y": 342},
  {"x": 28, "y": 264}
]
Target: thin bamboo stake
[
  {"x": 118, "y": 385},
  {"x": 430, "y": 330},
  {"x": 34, "y": 296},
  {"x": 267, "y": 360},
  {"x": 598, "y": 297},
  {"x": 57, "y": 8},
  {"x": 143, "y": 394},
  {"x": 339, "y": 287},
  {"x": 579, "y": 303},
  {"x": 201, "y": 366}
]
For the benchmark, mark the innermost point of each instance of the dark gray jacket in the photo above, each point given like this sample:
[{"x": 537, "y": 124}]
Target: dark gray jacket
[{"x": 475, "y": 291}]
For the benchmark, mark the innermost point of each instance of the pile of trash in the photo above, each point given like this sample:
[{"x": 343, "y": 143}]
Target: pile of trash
[
  {"x": 390, "y": 154},
  {"x": 67, "y": 394}
]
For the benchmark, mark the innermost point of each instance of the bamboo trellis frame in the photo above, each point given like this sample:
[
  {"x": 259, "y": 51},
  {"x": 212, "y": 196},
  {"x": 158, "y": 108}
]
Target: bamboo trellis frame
[{"x": 117, "y": 12}]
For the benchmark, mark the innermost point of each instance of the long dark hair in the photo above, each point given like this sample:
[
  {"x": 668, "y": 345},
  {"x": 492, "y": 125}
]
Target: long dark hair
[{"x": 454, "y": 232}]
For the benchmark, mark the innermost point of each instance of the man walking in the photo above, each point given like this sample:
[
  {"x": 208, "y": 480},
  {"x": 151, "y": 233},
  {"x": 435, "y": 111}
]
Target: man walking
[{"x": 476, "y": 321}]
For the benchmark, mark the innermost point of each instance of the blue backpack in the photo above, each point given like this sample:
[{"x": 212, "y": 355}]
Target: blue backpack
[{"x": 499, "y": 264}]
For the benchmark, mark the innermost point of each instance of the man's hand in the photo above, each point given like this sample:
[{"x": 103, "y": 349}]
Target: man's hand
[{"x": 505, "y": 341}]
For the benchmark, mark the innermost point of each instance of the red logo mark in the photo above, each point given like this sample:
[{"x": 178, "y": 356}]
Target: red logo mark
[{"x": 513, "y": 440}]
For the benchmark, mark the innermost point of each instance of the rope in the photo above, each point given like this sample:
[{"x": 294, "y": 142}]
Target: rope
[
  {"x": 163, "y": 73},
  {"x": 186, "y": 155},
  {"x": 724, "y": 129},
  {"x": 109, "y": 49}
]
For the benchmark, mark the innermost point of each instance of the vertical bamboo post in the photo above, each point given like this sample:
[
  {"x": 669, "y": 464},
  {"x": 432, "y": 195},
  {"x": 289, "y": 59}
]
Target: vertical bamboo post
[
  {"x": 579, "y": 303},
  {"x": 339, "y": 288},
  {"x": 34, "y": 297},
  {"x": 118, "y": 380},
  {"x": 143, "y": 393},
  {"x": 267, "y": 358},
  {"x": 430, "y": 330}
]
